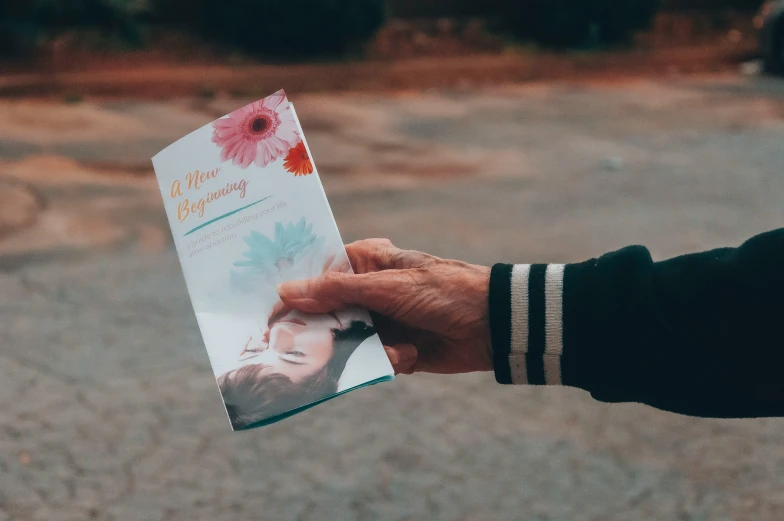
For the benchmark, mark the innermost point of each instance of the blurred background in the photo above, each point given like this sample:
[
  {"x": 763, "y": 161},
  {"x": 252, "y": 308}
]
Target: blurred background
[{"x": 500, "y": 130}]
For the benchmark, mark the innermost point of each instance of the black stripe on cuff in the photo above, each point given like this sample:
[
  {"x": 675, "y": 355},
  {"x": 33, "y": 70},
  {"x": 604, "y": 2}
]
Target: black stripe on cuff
[
  {"x": 536, "y": 325},
  {"x": 579, "y": 302},
  {"x": 501, "y": 320}
]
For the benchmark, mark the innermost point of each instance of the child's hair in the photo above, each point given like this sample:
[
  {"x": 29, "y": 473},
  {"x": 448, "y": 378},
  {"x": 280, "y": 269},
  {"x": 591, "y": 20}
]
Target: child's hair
[{"x": 252, "y": 396}]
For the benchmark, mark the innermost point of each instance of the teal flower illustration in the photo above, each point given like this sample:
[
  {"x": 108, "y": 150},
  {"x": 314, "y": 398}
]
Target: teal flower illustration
[{"x": 271, "y": 258}]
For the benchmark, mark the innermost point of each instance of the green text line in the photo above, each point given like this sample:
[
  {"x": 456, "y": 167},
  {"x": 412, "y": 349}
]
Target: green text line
[{"x": 199, "y": 227}]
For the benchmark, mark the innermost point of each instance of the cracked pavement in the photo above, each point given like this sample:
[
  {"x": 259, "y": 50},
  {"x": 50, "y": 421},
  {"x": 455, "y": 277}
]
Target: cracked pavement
[{"x": 109, "y": 408}]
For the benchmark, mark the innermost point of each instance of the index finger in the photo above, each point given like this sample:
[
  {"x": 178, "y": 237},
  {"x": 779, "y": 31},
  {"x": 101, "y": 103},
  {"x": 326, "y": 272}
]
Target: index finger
[{"x": 376, "y": 291}]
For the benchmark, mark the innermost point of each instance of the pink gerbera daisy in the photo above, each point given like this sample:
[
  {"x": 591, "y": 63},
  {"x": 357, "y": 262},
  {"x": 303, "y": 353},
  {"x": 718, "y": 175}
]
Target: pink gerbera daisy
[{"x": 257, "y": 133}]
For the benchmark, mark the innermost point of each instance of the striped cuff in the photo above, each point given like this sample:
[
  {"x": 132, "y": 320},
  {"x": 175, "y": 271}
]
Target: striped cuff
[{"x": 526, "y": 320}]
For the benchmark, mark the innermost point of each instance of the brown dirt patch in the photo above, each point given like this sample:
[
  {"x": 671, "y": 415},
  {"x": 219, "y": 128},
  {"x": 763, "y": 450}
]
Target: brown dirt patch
[{"x": 19, "y": 208}]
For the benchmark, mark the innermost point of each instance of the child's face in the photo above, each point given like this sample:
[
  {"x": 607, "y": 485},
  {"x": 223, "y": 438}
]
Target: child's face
[{"x": 296, "y": 345}]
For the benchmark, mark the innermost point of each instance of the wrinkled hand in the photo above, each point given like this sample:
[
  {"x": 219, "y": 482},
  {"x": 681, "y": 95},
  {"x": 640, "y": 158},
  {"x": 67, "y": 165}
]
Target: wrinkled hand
[{"x": 430, "y": 313}]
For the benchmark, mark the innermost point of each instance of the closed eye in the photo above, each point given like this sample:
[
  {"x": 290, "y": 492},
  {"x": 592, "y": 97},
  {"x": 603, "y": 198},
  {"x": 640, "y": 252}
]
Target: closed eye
[
  {"x": 292, "y": 320},
  {"x": 294, "y": 359}
]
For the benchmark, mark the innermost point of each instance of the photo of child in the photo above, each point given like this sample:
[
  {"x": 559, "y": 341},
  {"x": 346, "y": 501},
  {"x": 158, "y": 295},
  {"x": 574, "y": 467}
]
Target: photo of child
[
  {"x": 299, "y": 360},
  {"x": 295, "y": 359}
]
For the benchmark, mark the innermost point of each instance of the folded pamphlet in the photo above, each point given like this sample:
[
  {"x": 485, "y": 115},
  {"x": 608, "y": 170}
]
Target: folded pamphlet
[{"x": 247, "y": 211}]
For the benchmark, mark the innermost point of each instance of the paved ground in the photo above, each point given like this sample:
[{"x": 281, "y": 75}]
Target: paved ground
[{"x": 109, "y": 409}]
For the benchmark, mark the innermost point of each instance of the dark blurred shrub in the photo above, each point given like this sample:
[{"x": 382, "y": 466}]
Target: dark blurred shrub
[
  {"x": 710, "y": 5},
  {"x": 574, "y": 23},
  {"x": 444, "y": 8},
  {"x": 27, "y": 24},
  {"x": 180, "y": 12},
  {"x": 280, "y": 28}
]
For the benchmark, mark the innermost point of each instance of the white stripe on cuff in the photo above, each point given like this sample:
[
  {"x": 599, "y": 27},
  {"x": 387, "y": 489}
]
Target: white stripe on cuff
[
  {"x": 519, "y": 347},
  {"x": 553, "y": 295}
]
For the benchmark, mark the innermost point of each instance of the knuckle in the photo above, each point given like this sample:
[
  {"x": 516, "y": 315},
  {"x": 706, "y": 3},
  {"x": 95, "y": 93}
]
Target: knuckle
[
  {"x": 370, "y": 244},
  {"x": 380, "y": 247},
  {"x": 332, "y": 279},
  {"x": 381, "y": 242},
  {"x": 397, "y": 258},
  {"x": 423, "y": 277},
  {"x": 415, "y": 259}
]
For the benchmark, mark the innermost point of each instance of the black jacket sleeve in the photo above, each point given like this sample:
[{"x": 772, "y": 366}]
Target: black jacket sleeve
[{"x": 699, "y": 334}]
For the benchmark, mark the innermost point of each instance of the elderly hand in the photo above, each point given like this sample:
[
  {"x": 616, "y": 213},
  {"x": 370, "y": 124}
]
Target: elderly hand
[{"x": 431, "y": 314}]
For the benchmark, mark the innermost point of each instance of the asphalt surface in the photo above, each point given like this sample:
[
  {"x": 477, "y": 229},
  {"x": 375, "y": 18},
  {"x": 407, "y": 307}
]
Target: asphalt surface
[{"x": 109, "y": 408}]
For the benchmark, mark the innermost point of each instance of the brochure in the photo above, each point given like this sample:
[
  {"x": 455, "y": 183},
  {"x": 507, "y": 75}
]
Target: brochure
[{"x": 247, "y": 211}]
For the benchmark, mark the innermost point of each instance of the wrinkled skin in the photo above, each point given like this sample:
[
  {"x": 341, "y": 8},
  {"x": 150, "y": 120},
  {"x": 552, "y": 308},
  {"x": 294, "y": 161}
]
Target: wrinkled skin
[{"x": 431, "y": 313}]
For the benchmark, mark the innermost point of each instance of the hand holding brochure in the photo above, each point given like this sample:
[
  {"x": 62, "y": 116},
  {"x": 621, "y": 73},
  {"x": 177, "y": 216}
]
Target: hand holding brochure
[{"x": 247, "y": 211}]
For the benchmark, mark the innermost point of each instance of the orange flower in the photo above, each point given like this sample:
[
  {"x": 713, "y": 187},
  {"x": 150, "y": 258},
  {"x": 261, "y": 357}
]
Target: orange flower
[{"x": 298, "y": 162}]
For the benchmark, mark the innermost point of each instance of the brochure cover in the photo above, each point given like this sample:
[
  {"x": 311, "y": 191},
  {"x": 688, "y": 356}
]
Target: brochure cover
[{"x": 247, "y": 211}]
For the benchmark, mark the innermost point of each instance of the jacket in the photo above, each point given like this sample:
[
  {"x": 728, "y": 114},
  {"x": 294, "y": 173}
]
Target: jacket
[{"x": 701, "y": 334}]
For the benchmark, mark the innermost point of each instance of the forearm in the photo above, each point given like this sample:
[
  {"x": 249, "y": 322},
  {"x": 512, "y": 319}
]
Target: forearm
[{"x": 698, "y": 334}]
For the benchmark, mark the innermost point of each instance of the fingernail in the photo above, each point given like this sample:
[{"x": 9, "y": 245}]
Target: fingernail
[
  {"x": 394, "y": 357},
  {"x": 293, "y": 289}
]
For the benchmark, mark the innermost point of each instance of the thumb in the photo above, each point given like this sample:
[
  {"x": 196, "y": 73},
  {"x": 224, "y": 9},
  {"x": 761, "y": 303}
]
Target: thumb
[
  {"x": 335, "y": 290},
  {"x": 403, "y": 358}
]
